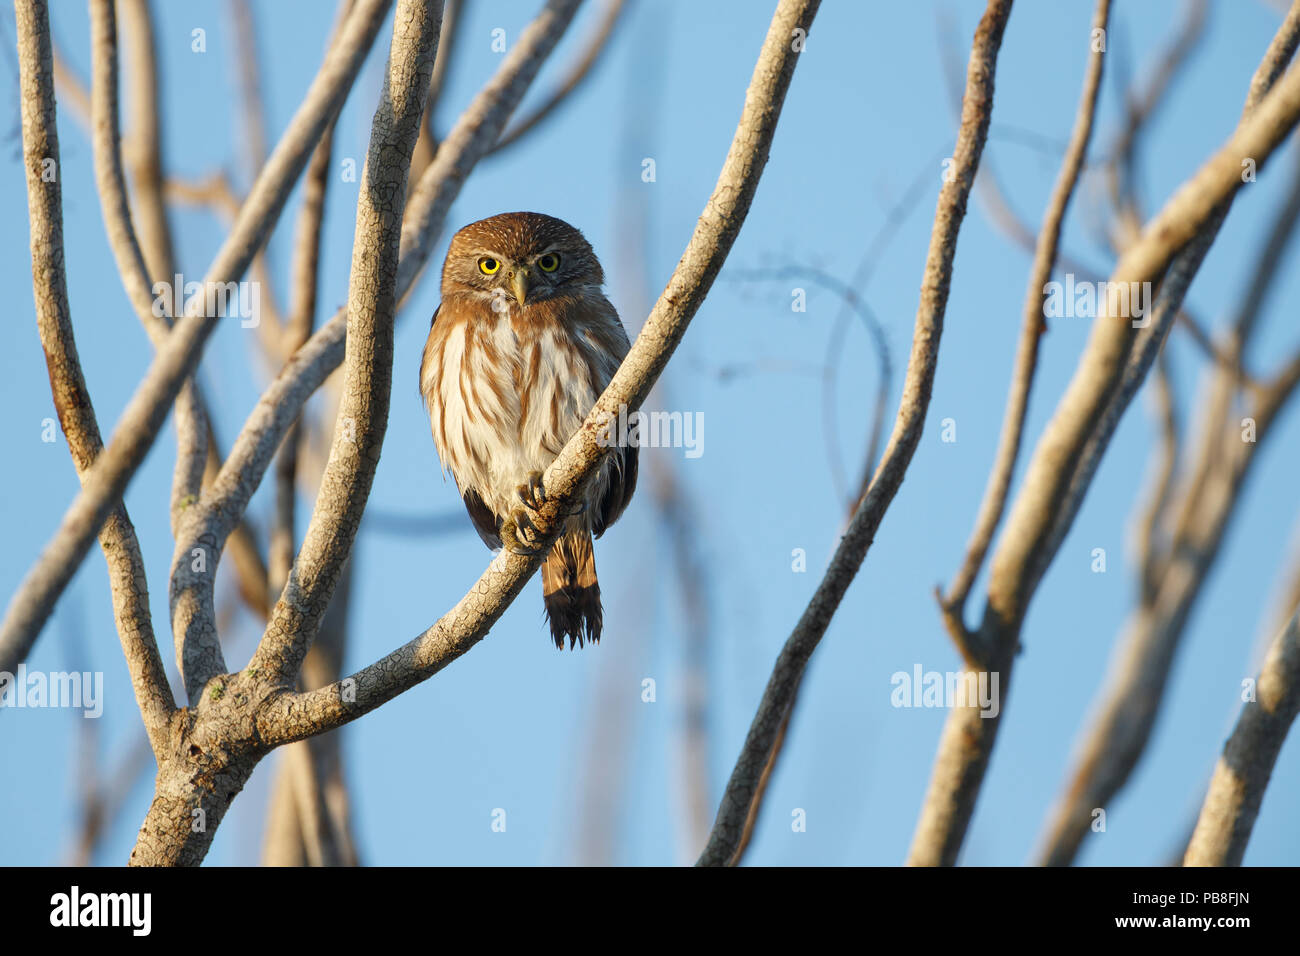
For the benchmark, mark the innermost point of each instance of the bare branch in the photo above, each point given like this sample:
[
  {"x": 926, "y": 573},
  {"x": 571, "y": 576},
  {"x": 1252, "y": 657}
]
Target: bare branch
[
  {"x": 148, "y": 218},
  {"x": 191, "y": 418},
  {"x": 1174, "y": 575},
  {"x": 148, "y": 408},
  {"x": 1130, "y": 702},
  {"x": 306, "y": 280},
  {"x": 251, "y": 573},
  {"x": 109, "y": 176},
  {"x": 68, "y": 385},
  {"x": 1004, "y": 217},
  {"x": 1172, "y": 245},
  {"x": 252, "y": 113},
  {"x": 309, "y": 819},
  {"x": 1242, "y": 773},
  {"x": 368, "y": 365},
  {"x": 184, "y": 786},
  {"x": 752, "y": 763},
  {"x": 1142, "y": 107},
  {"x": 578, "y": 72},
  {"x": 681, "y": 522},
  {"x": 1280, "y": 237},
  {"x": 764, "y": 778},
  {"x": 426, "y": 146},
  {"x": 144, "y": 151},
  {"x": 248, "y": 70},
  {"x": 1148, "y": 545},
  {"x": 72, "y": 90},
  {"x": 452, "y": 21},
  {"x": 953, "y": 604}
]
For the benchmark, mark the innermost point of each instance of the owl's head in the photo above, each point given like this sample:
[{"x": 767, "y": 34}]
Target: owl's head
[{"x": 525, "y": 256}]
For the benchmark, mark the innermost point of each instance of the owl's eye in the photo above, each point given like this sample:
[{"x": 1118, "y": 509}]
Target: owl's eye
[
  {"x": 549, "y": 262},
  {"x": 487, "y": 265}
]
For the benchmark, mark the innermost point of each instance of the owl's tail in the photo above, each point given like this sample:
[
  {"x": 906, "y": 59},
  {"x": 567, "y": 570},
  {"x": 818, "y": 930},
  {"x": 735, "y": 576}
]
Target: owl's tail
[{"x": 570, "y": 590}]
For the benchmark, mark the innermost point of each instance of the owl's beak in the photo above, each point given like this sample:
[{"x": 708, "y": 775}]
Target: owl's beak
[{"x": 519, "y": 284}]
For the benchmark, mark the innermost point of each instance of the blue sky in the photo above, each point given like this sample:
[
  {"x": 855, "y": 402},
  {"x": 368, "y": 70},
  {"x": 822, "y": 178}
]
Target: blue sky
[{"x": 511, "y": 724}]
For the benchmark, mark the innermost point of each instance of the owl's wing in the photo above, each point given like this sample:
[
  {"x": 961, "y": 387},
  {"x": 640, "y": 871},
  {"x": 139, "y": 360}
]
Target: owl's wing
[
  {"x": 484, "y": 521},
  {"x": 610, "y": 341},
  {"x": 622, "y": 482},
  {"x": 428, "y": 349}
]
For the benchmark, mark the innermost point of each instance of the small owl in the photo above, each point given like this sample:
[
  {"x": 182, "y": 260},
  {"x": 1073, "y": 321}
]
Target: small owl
[{"x": 519, "y": 349}]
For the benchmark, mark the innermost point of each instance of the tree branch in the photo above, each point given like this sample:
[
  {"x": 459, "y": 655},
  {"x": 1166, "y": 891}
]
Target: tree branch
[
  {"x": 191, "y": 418},
  {"x": 368, "y": 361},
  {"x": 219, "y": 748},
  {"x": 148, "y": 408},
  {"x": 1149, "y": 542},
  {"x": 68, "y": 385},
  {"x": 751, "y": 766},
  {"x": 1242, "y": 773},
  {"x": 247, "y": 69},
  {"x": 305, "y": 283},
  {"x": 149, "y": 220},
  {"x": 578, "y": 72},
  {"x": 426, "y": 146},
  {"x": 953, "y": 604},
  {"x": 1072, "y": 444}
]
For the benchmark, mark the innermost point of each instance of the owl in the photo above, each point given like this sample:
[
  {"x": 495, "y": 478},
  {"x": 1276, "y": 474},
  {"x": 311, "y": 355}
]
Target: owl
[{"x": 521, "y": 346}]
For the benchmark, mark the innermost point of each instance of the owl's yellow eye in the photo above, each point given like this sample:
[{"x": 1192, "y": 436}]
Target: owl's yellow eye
[
  {"x": 549, "y": 262},
  {"x": 487, "y": 265}
]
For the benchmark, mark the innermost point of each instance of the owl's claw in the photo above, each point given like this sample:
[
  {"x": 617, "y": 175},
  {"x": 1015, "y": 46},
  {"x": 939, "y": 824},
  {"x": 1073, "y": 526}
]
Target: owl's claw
[
  {"x": 515, "y": 532},
  {"x": 532, "y": 493}
]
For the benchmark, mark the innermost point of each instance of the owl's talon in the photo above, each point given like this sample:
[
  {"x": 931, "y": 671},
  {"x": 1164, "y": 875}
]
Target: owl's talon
[
  {"x": 514, "y": 533},
  {"x": 532, "y": 493}
]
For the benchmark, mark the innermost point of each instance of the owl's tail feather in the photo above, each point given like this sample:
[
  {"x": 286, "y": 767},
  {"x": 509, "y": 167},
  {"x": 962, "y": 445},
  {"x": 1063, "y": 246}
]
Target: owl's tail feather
[{"x": 571, "y": 592}]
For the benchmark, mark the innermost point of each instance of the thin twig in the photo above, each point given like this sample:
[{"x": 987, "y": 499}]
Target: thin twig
[
  {"x": 834, "y": 351},
  {"x": 578, "y": 72},
  {"x": 249, "y": 74},
  {"x": 953, "y": 604},
  {"x": 449, "y": 42}
]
